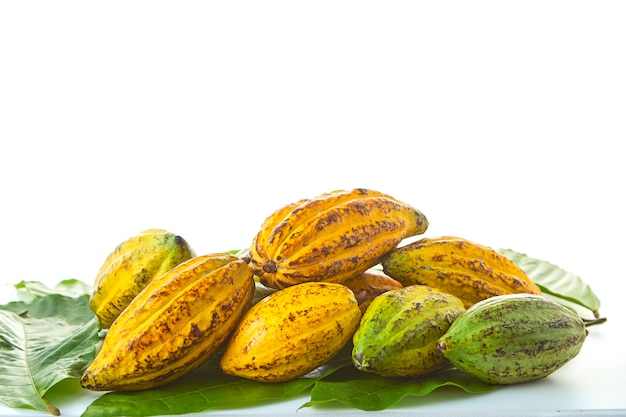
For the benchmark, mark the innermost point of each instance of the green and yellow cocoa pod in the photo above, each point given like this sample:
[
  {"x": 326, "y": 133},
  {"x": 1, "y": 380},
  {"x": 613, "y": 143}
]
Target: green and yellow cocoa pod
[
  {"x": 398, "y": 333},
  {"x": 515, "y": 338},
  {"x": 131, "y": 266},
  {"x": 173, "y": 325},
  {"x": 291, "y": 332}
]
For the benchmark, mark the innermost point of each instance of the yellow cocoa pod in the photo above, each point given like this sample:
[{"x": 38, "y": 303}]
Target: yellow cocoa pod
[
  {"x": 131, "y": 266},
  {"x": 369, "y": 285},
  {"x": 174, "y": 325},
  {"x": 468, "y": 270},
  {"x": 331, "y": 237},
  {"x": 291, "y": 332}
]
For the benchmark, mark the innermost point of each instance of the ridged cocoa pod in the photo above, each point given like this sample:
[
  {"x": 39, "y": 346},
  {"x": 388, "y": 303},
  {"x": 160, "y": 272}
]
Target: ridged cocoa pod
[
  {"x": 399, "y": 331},
  {"x": 174, "y": 325},
  {"x": 369, "y": 285},
  {"x": 131, "y": 266},
  {"x": 291, "y": 332},
  {"x": 331, "y": 237},
  {"x": 468, "y": 270},
  {"x": 512, "y": 339}
]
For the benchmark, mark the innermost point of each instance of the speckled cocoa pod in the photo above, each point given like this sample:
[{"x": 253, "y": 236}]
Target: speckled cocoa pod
[
  {"x": 174, "y": 325},
  {"x": 466, "y": 269},
  {"x": 398, "y": 333},
  {"x": 131, "y": 267},
  {"x": 515, "y": 338},
  {"x": 331, "y": 237},
  {"x": 291, "y": 332}
]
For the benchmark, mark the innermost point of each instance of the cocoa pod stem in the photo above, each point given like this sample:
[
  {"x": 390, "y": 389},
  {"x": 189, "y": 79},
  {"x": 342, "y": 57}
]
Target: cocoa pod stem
[{"x": 270, "y": 267}]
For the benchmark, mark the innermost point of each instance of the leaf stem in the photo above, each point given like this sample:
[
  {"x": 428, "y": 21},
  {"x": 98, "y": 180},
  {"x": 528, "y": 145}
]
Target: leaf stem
[
  {"x": 52, "y": 409},
  {"x": 592, "y": 322}
]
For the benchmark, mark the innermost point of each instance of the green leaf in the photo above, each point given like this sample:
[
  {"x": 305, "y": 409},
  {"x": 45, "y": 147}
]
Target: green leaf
[
  {"x": 42, "y": 343},
  {"x": 194, "y": 394},
  {"x": 370, "y": 392},
  {"x": 73, "y": 310},
  {"x": 68, "y": 287},
  {"x": 239, "y": 252},
  {"x": 205, "y": 389},
  {"x": 260, "y": 292},
  {"x": 556, "y": 282}
]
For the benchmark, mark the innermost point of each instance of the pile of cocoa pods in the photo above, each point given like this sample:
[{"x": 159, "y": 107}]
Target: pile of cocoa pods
[{"x": 333, "y": 270}]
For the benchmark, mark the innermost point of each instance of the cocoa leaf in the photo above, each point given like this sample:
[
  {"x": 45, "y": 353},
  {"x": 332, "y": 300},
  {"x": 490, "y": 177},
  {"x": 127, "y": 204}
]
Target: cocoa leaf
[
  {"x": 194, "y": 394},
  {"x": 556, "y": 282},
  {"x": 74, "y": 310},
  {"x": 370, "y": 392},
  {"x": 43, "y": 342},
  {"x": 68, "y": 287},
  {"x": 208, "y": 389}
]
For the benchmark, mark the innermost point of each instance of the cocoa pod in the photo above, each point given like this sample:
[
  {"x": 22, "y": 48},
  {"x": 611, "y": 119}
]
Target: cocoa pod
[
  {"x": 331, "y": 237},
  {"x": 468, "y": 270},
  {"x": 513, "y": 338},
  {"x": 173, "y": 325},
  {"x": 399, "y": 331},
  {"x": 131, "y": 266},
  {"x": 291, "y": 332}
]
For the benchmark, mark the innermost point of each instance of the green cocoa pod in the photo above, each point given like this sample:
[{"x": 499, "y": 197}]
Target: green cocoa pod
[
  {"x": 513, "y": 338},
  {"x": 398, "y": 333}
]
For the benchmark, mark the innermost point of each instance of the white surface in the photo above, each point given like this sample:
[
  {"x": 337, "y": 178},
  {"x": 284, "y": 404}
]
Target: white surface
[{"x": 502, "y": 122}]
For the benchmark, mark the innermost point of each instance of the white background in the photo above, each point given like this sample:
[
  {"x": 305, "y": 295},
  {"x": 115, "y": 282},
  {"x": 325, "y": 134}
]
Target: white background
[{"x": 503, "y": 122}]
